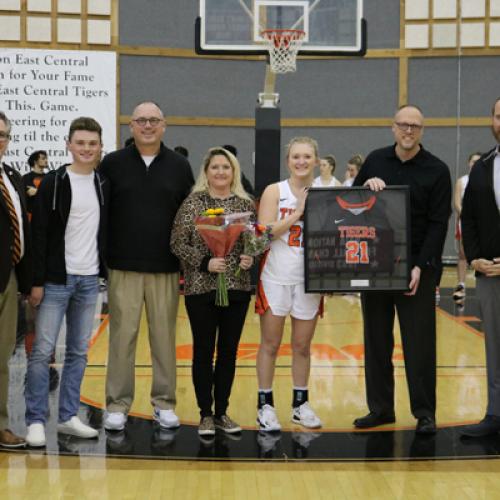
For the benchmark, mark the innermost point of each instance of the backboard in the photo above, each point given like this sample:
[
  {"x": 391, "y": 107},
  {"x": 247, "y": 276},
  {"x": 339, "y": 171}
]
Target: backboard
[{"x": 332, "y": 27}]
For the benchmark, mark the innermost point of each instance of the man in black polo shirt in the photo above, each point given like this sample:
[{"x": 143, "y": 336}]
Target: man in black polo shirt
[{"x": 407, "y": 163}]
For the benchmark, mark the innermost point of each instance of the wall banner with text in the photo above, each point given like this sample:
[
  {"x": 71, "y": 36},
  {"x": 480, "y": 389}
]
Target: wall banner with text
[{"x": 42, "y": 91}]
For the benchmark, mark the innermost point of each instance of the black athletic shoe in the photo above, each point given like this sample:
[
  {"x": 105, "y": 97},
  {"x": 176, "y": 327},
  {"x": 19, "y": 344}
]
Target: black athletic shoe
[{"x": 459, "y": 293}]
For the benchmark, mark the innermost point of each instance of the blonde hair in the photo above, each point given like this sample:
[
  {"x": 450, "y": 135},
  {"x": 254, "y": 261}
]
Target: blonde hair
[
  {"x": 357, "y": 160},
  {"x": 303, "y": 140},
  {"x": 236, "y": 187}
]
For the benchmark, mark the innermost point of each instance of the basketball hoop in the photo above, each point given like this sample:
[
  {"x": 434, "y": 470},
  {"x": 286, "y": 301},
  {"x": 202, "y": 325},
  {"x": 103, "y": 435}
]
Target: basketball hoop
[{"x": 283, "y": 46}]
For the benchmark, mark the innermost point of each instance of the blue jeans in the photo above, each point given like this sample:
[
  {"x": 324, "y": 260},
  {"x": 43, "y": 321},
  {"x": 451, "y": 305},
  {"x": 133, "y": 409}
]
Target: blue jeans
[{"x": 77, "y": 299}]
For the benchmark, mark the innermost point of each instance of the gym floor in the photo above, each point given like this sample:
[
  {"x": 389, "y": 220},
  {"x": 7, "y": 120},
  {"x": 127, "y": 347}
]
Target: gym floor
[{"x": 361, "y": 464}]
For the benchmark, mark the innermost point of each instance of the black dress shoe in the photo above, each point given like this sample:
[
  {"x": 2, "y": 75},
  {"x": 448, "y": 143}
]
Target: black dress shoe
[
  {"x": 426, "y": 425},
  {"x": 489, "y": 425},
  {"x": 373, "y": 420}
]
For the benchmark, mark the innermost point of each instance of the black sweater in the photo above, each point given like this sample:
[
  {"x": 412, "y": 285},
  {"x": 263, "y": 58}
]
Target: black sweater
[
  {"x": 480, "y": 216},
  {"x": 50, "y": 218},
  {"x": 429, "y": 181},
  {"x": 143, "y": 204}
]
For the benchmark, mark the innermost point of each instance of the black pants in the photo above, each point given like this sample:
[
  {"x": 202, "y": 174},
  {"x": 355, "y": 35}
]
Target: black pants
[
  {"x": 211, "y": 324},
  {"x": 417, "y": 321}
]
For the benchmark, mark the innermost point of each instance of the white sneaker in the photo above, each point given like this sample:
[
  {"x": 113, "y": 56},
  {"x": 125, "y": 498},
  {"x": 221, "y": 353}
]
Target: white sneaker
[
  {"x": 36, "y": 435},
  {"x": 115, "y": 421},
  {"x": 305, "y": 416},
  {"x": 166, "y": 418},
  {"x": 75, "y": 427},
  {"x": 267, "y": 419}
]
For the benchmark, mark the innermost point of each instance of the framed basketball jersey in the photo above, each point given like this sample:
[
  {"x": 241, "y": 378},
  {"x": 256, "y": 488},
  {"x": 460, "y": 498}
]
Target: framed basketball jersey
[{"x": 356, "y": 239}]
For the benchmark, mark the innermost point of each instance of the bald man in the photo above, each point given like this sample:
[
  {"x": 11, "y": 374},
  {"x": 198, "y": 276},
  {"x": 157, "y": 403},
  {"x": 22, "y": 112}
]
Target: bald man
[
  {"x": 148, "y": 184},
  {"x": 428, "y": 178}
]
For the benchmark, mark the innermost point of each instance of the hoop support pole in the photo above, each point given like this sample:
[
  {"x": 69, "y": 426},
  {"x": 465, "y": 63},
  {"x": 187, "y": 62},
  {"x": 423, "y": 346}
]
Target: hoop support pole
[{"x": 269, "y": 98}]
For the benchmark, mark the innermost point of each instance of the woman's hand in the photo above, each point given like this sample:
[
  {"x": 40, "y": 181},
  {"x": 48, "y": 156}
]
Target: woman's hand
[
  {"x": 301, "y": 201},
  {"x": 217, "y": 265},
  {"x": 246, "y": 262}
]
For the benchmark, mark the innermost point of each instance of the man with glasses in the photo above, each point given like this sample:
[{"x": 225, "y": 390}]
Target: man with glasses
[
  {"x": 407, "y": 163},
  {"x": 15, "y": 272},
  {"x": 148, "y": 184},
  {"x": 480, "y": 220}
]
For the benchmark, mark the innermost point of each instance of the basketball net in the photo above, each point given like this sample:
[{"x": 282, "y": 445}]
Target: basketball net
[{"x": 283, "y": 47}]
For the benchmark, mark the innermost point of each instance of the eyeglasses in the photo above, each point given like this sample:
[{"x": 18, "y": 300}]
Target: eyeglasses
[
  {"x": 408, "y": 126},
  {"x": 154, "y": 122},
  {"x": 4, "y": 136}
]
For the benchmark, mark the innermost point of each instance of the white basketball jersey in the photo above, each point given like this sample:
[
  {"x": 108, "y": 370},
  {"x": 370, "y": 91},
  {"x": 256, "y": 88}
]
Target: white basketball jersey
[
  {"x": 464, "y": 180},
  {"x": 285, "y": 260},
  {"x": 334, "y": 182}
]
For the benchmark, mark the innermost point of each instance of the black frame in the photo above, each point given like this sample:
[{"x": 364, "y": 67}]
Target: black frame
[
  {"x": 264, "y": 52},
  {"x": 390, "y": 220}
]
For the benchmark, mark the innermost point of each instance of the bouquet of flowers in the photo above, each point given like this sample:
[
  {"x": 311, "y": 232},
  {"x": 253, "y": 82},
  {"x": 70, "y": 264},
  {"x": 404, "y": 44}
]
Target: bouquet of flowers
[
  {"x": 220, "y": 232},
  {"x": 256, "y": 240}
]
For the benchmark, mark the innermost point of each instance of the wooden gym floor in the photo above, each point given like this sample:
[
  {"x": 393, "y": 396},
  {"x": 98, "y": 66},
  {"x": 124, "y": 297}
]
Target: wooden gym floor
[{"x": 335, "y": 462}]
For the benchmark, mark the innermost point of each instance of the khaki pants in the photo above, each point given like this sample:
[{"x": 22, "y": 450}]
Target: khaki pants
[
  {"x": 127, "y": 293},
  {"x": 8, "y": 325}
]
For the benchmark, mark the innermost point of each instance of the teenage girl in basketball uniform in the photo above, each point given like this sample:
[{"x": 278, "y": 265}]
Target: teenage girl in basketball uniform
[
  {"x": 461, "y": 184},
  {"x": 281, "y": 287}
]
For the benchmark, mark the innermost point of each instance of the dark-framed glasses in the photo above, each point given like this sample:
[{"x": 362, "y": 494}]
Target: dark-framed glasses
[
  {"x": 154, "y": 122},
  {"x": 412, "y": 127},
  {"x": 4, "y": 136}
]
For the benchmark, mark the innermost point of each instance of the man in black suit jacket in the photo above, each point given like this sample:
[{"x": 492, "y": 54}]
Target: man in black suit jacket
[
  {"x": 480, "y": 220},
  {"x": 15, "y": 272}
]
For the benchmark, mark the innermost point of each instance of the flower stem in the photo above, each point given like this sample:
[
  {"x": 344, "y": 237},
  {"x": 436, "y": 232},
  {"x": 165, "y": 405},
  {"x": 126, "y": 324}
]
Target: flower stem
[{"x": 221, "y": 296}]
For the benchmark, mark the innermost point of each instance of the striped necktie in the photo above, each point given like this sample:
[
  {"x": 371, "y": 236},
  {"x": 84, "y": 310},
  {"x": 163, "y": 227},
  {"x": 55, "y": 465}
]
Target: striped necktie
[{"x": 14, "y": 222}]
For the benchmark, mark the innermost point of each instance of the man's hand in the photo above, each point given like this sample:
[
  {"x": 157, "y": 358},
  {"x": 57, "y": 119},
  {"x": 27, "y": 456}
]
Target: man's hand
[
  {"x": 36, "y": 296},
  {"x": 415, "y": 281},
  {"x": 490, "y": 268},
  {"x": 375, "y": 184},
  {"x": 31, "y": 191}
]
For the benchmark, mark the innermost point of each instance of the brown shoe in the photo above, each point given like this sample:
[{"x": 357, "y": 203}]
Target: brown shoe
[{"x": 9, "y": 440}]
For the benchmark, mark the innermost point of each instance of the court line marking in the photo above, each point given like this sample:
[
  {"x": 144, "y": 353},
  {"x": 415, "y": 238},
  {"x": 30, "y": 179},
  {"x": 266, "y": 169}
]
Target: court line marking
[{"x": 459, "y": 321}]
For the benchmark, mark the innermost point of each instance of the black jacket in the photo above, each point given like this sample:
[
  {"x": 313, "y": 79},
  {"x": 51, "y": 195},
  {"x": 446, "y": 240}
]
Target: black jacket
[
  {"x": 143, "y": 204},
  {"x": 50, "y": 217},
  {"x": 24, "y": 269},
  {"x": 480, "y": 216}
]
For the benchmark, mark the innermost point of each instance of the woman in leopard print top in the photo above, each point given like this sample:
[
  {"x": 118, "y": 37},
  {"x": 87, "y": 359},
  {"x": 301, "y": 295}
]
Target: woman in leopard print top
[
  {"x": 194, "y": 254},
  {"x": 217, "y": 186}
]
